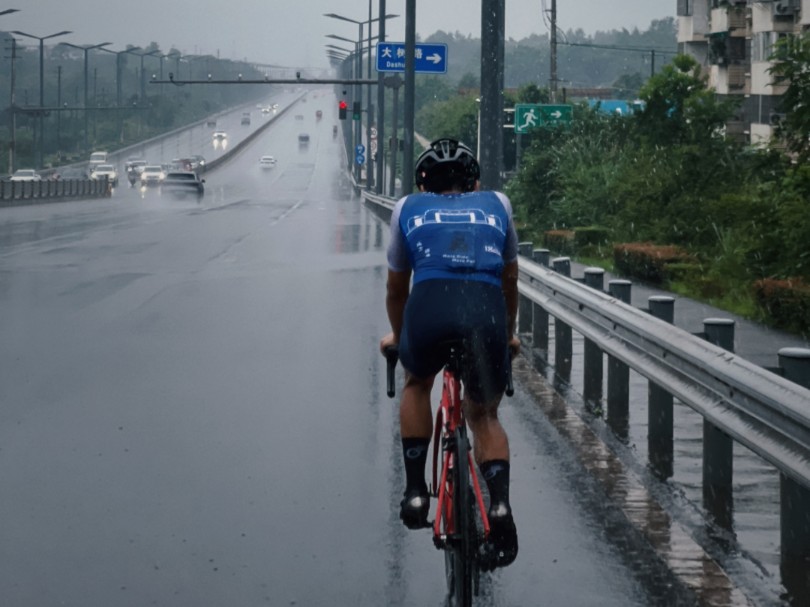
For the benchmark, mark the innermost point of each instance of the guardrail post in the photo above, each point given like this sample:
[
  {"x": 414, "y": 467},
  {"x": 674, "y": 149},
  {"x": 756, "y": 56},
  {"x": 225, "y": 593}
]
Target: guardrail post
[
  {"x": 524, "y": 303},
  {"x": 795, "y": 498},
  {"x": 563, "y": 341},
  {"x": 618, "y": 374},
  {"x": 539, "y": 315},
  {"x": 541, "y": 256},
  {"x": 593, "y": 361},
  {"x": 659, "y": 423},
  {"x": 718, "y": 447}
]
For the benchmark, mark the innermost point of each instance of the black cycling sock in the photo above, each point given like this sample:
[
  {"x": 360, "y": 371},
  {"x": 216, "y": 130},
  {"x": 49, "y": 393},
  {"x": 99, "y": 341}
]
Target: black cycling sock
[
  {"x": 415, "y": 452},
  {"x": 496, "y": 474}
]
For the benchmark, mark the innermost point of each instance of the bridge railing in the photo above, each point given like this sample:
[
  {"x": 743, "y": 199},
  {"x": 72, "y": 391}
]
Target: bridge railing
[
  {"x": 15, "y": 193},
  {"x": 766, "y": 411}
]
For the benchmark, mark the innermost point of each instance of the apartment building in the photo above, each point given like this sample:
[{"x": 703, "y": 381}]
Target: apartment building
[{"x": 732, "y": 40}]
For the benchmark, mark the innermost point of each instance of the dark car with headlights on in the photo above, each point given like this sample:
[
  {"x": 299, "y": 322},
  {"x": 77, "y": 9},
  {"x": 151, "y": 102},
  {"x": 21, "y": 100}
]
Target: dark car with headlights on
[{"x": 180, "y": 184}]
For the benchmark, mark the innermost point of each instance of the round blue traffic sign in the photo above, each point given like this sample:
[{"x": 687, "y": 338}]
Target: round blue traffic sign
[
  {"x": 360, "y": 149},
  {"x": 359, "y": 159}
]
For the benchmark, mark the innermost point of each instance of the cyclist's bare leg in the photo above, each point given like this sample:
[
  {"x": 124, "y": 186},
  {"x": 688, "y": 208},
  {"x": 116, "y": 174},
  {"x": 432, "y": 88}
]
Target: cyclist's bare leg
[
  {"x": 415, "y": 416},
  {"x": 489, "y": 438},
  {"x": 416, "y": 426},
  {"x": 491, "y": 449}
]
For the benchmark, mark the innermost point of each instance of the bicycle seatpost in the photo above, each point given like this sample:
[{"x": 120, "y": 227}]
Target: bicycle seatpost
[{"x": 391, "y": 356}]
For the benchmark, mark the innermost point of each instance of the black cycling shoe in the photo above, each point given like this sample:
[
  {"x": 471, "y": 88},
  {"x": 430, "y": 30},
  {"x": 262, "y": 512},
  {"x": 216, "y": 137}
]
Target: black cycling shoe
[
  {"x": 501, "y": 547},
  {"x": 413, "y": 509}
]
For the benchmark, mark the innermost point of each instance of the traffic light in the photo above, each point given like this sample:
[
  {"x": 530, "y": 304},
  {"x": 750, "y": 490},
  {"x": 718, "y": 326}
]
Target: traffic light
[
  {"x": 342, "y": 107},
  {"x": 356, "y": 110}
]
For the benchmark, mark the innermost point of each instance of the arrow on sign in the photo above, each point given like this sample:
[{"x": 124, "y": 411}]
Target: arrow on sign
[
  {"x": 557, "y": 115},
  {"x": 436, "y": 58}
]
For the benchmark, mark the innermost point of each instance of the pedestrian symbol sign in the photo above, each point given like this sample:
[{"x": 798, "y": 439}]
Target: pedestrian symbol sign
[{"x": 529, "y": 116}]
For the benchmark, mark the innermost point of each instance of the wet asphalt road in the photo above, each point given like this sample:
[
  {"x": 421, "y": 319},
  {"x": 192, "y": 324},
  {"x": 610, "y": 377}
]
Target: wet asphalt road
[{"x": 193, "y": 410}]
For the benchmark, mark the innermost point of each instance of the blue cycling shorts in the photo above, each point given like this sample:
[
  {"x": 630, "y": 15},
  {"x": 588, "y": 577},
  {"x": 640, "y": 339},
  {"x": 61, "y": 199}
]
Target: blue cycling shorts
[{"x": 443, "y": 310}]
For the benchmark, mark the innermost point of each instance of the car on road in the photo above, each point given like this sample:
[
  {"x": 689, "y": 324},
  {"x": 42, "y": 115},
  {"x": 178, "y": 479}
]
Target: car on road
[
  {"x": 26, "y": 175},
  {"x": 152, "y": 175},
  {"x": 319, "y": 114},
  {"x": 303, "y": 139},
  {"x": 180, "y": 184},
  {"x": 105, "y": 170},
  {"x": 245, "y": 118},
  {"x": 220, "y": 139},
  {"x": 97, "y": 158},
  {"x": 211, "y": 123},
  {"x": 267, "y": 162},
  {"x": 299, "y": 116}
]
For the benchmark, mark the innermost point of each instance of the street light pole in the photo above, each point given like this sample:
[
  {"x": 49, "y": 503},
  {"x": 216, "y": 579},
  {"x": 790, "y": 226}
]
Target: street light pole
[
  {"x": 118, "y": 83},
  {"x": 143, "y": 79},
  {"x": 358, "y": 90},
  {"x": 86, "y": 49},
  {"x": 12, "y": 114},
  {"x": 380, "y": 106},
  {"x": 42, "y": 40}
]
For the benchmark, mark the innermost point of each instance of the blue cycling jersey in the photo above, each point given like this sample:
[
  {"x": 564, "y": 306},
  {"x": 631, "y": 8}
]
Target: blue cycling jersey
[{"x": 458, "y": 236}]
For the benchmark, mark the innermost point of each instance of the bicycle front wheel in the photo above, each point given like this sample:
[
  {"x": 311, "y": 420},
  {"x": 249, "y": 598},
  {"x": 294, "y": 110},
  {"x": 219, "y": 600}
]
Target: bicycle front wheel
[{"x": 460, "y": 556}]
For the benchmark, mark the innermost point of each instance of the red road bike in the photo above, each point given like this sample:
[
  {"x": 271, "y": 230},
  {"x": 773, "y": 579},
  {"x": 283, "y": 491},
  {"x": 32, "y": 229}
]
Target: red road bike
[{"x": 461, "y": 525}]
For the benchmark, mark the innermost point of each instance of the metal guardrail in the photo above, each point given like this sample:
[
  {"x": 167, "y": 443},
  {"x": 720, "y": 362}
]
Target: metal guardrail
[
  {"x": 767, "y": 413},
  {"x": 15, "y": 193}
]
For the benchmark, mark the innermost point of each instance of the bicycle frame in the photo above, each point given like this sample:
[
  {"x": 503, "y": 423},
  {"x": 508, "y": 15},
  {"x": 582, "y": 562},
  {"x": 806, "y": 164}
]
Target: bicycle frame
[{"x": 449, "y": 417}]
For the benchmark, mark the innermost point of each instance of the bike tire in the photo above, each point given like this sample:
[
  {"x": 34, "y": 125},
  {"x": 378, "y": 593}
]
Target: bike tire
[{"x": 459, "y": 560}]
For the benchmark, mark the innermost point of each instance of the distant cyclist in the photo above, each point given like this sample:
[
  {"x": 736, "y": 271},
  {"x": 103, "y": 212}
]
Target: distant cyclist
[{"x": 460, "y": 245}]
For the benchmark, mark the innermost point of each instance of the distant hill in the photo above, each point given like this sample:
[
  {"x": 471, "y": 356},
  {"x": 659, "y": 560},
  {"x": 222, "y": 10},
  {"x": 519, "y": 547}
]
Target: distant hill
[{"x": 582, "y": 60}]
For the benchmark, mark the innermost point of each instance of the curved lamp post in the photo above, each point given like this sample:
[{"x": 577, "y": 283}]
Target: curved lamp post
[
  {"x": 86, "y": 49},
  {"x": 42, "y": 40}
]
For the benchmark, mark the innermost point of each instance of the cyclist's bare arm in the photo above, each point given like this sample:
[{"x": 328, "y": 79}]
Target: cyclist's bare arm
[
  {"x": 509, "y": 285},
  {"x": 398, "y": 289}
]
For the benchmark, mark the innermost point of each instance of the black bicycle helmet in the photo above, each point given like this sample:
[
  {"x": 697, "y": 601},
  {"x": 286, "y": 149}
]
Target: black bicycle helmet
[{"x": 447, "y": 165}]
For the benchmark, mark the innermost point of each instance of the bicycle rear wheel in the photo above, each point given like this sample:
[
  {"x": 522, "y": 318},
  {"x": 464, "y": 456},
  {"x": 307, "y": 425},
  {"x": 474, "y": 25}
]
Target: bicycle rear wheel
[{"x": 460, "y": 555}]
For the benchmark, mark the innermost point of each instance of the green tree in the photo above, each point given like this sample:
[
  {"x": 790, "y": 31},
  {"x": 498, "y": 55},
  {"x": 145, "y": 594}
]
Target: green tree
[
  {"x": 792, "y": 68},
  {"x": 627, "y": 86},
  {"x": 680, "y": 107},
  {"x": 531, "y": 93}
]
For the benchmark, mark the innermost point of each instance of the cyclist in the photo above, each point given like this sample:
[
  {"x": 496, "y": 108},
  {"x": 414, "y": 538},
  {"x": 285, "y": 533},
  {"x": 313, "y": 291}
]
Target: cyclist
[{"x": 460, "y": 244}]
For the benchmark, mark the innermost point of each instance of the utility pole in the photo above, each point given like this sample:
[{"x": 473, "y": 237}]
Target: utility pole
[
  {"x": 492, "y": 79},
  {"x": 409, "y": 97},
  {"x": 553, "y": 51},
  {"x": 12, "y": 144}
]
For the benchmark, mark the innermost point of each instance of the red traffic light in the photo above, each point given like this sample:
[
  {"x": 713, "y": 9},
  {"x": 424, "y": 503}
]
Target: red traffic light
[{"x": 342, "y": 107}]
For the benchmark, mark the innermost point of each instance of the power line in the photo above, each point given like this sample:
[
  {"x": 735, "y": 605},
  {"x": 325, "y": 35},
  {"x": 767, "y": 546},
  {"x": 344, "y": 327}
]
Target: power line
[{"x": 643, "y": 49}]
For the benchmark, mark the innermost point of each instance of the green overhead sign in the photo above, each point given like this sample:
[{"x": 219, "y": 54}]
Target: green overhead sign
[{"x": 530, "y": 116}]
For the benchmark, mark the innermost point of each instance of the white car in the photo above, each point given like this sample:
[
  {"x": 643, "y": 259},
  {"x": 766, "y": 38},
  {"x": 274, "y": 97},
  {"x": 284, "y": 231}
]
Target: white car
[
  {"x": 152, "y": 175},
  {"x": 267, "y": 162},
  {"x": 97, "y": 158},
  {"x": 105, "y": 170},
  {"x": 26, "y": 175}
]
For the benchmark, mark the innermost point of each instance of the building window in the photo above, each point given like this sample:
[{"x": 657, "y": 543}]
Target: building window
[
  {"x": 685, "y": 8},
  {"x": 762, "y": 45}
]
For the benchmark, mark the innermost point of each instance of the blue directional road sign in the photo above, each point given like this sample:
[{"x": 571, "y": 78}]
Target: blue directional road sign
[
  {"x": 360, "y": 159},
  {"x": 360, "y": 149},
  {"x": 430, "y": 58}
]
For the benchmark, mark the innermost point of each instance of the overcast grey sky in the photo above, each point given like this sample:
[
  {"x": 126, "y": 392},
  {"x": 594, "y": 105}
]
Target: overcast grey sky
[{"x": 291, "y": 32}]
